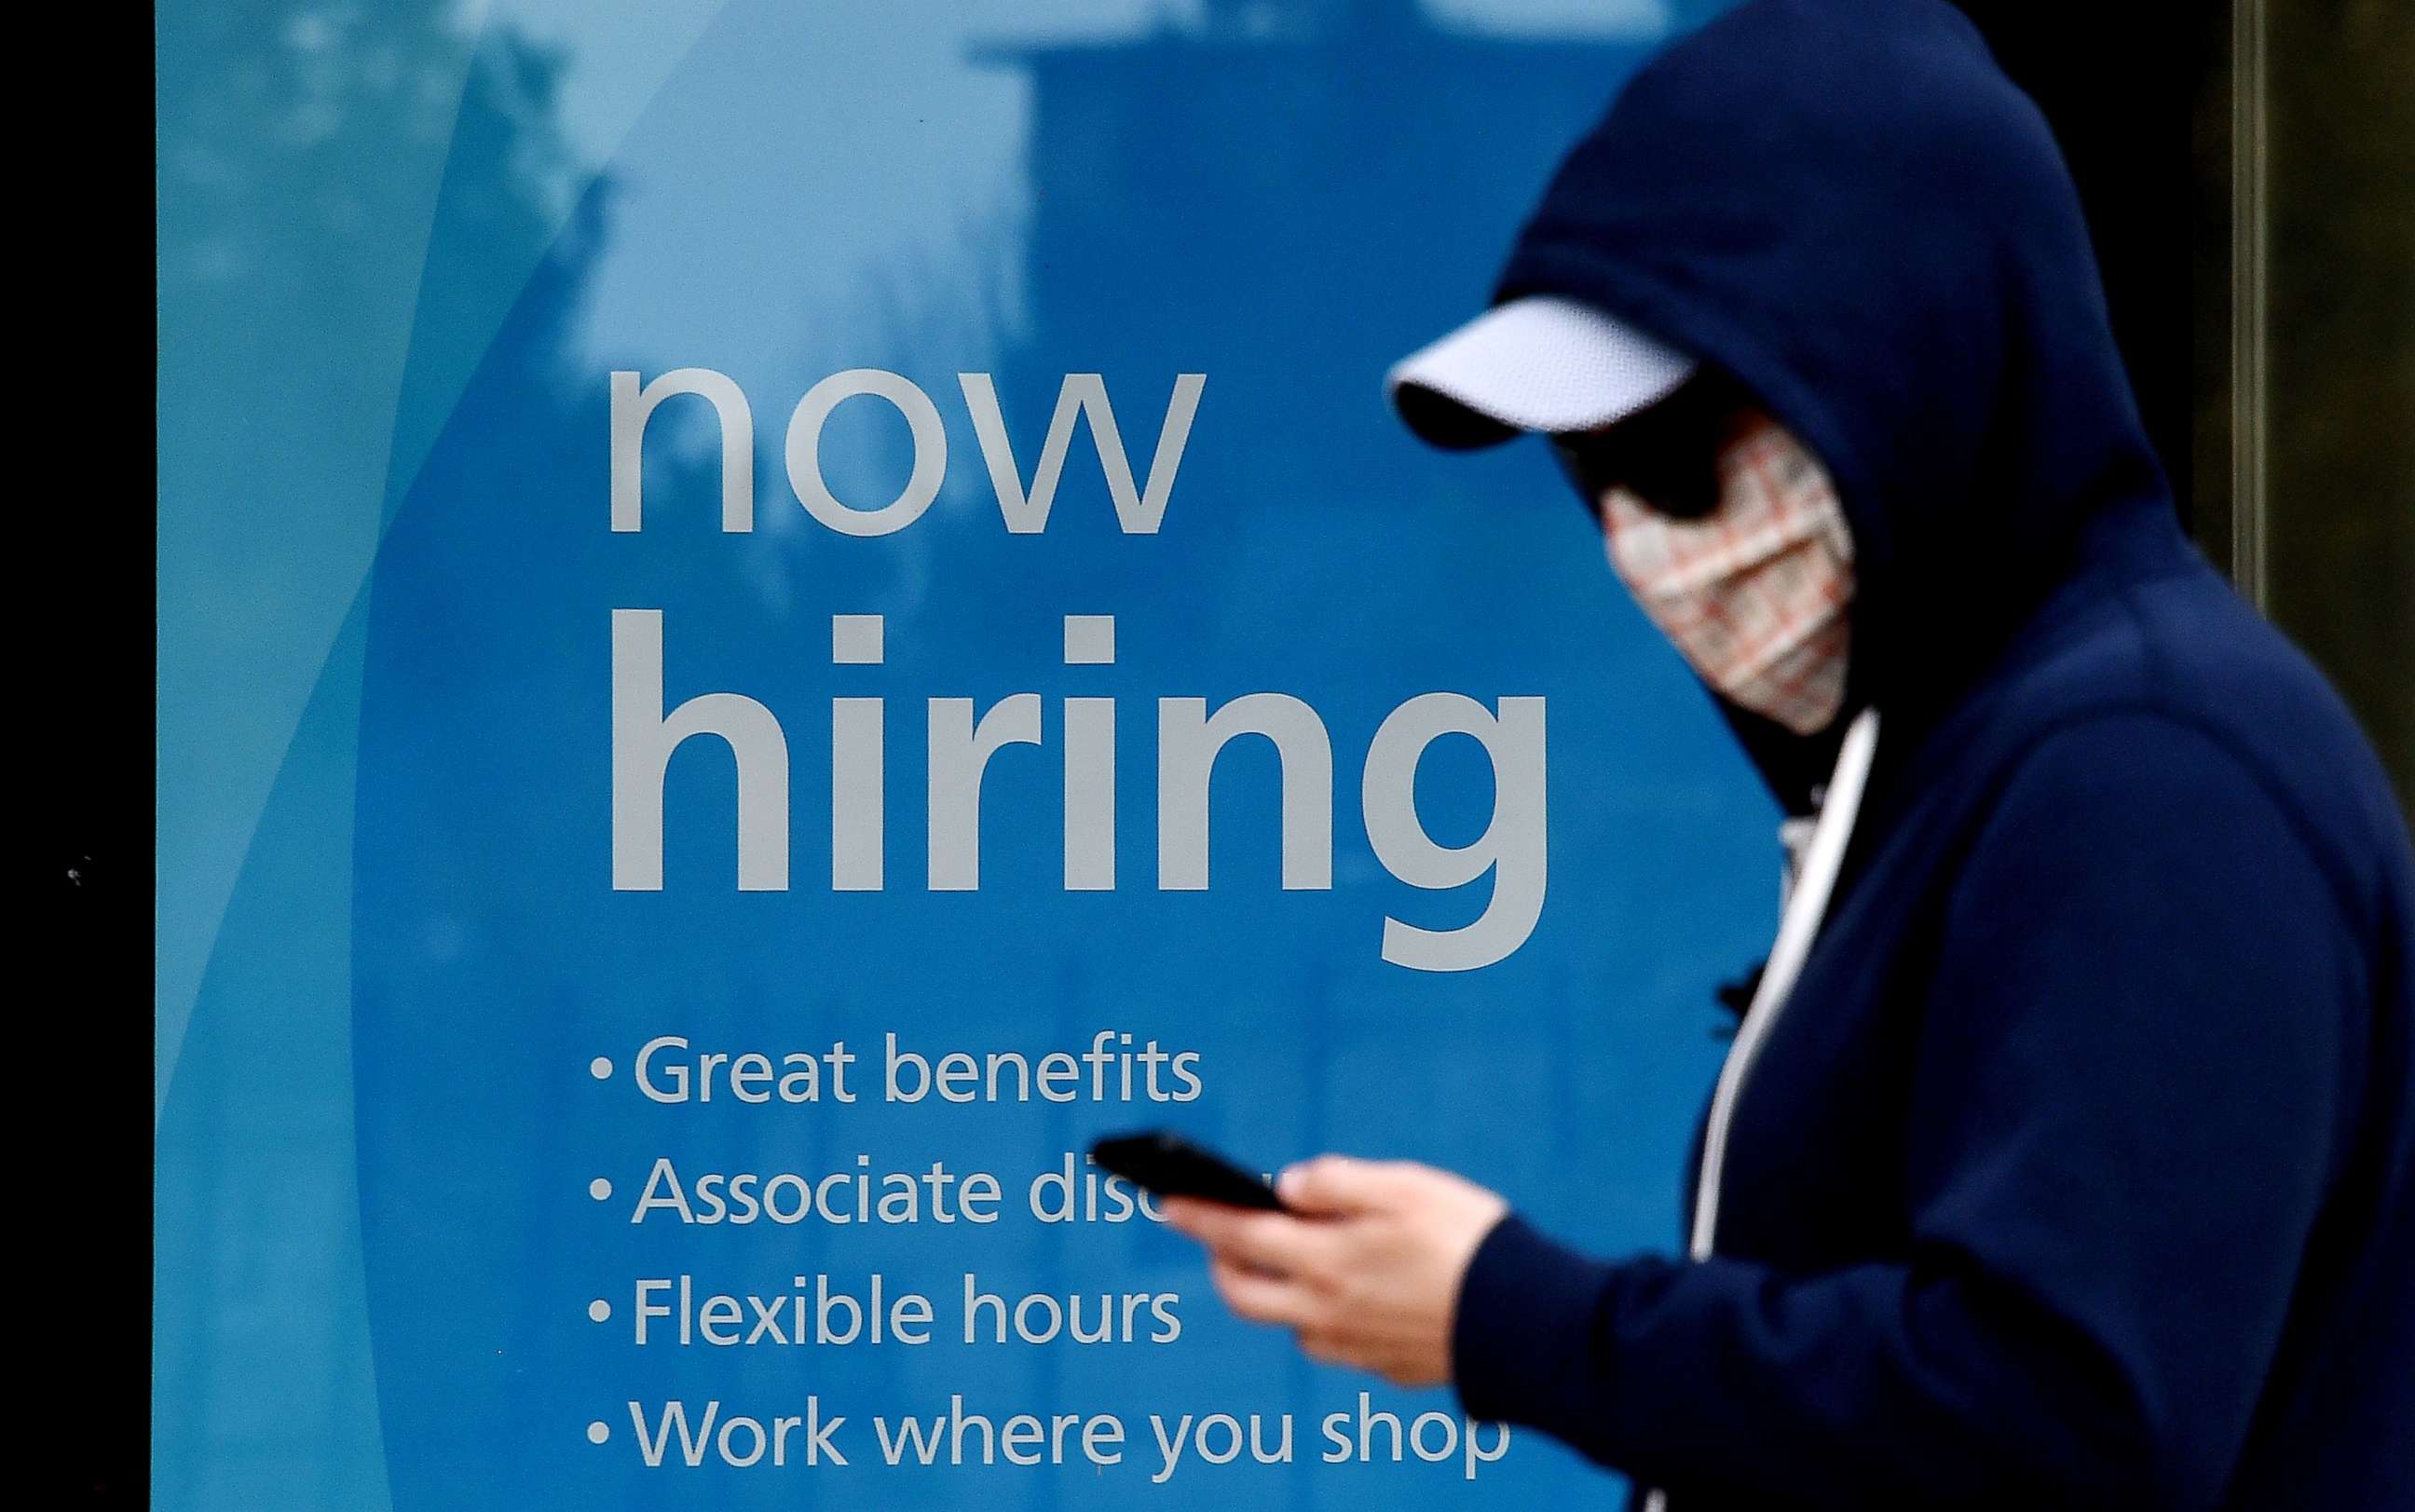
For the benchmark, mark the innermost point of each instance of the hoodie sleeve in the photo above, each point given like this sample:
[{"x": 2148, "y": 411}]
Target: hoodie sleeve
[{"x": 2139, "y": 1059}]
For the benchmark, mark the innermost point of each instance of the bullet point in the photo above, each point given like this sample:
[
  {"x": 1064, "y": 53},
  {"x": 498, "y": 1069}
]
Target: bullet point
[
  {"x": 599, "y": 1309},
  {"x": 598, "y": 1431},
  {"x": 599, "y": 1189},
  {"x": 600, "y": 1068}
]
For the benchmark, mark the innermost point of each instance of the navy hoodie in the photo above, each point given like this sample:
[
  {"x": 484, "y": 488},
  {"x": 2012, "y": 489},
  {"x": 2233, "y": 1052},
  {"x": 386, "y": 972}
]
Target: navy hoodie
[{"x": 2079, "y": 1168}]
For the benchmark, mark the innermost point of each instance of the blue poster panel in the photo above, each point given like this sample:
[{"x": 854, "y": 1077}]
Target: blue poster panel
[{"x": 774, "y": 616}]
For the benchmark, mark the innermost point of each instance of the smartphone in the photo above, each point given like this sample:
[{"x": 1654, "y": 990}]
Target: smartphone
[{"x": 1165, "y": 1162}]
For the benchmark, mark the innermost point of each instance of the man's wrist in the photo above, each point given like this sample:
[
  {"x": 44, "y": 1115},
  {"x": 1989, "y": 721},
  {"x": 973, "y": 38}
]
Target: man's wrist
[{"x": 1522, "y": 1330}]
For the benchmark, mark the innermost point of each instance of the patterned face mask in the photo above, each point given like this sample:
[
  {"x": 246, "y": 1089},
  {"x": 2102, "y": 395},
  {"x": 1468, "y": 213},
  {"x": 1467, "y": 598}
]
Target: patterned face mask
[{"x": 1754, "y": 592}]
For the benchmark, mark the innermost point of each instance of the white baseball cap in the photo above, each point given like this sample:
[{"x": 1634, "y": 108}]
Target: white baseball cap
[{"x": 1540, "y": 363}]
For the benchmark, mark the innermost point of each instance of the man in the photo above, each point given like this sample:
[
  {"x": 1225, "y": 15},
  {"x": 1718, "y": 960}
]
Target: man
[{"x": 2065, "y": 1156}]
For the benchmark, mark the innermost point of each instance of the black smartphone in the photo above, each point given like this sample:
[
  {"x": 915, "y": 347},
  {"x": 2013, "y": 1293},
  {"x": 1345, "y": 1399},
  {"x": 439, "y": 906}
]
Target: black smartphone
[{"x": 1169, "y": 1165}]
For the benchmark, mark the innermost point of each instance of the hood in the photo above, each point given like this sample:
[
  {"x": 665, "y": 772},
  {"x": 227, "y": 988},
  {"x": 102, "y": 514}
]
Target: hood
[{"x": 1851, "y": 209}]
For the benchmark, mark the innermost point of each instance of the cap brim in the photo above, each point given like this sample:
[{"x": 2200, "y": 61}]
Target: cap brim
[{"x": 1538, "y": 364}]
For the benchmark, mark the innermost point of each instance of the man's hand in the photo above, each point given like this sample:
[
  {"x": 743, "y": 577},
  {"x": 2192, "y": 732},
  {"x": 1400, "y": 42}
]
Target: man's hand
[{"x": 1367, "y": 1274}]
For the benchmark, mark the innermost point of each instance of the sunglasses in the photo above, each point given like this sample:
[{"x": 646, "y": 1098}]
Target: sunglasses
[{"x": 1666, "y": 453}]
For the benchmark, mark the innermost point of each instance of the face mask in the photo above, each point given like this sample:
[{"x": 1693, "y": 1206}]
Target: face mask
[{"x": 1753, "y": 593}]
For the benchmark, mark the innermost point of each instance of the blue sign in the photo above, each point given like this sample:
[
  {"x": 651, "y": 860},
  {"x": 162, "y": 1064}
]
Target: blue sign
[{"x": 772, "y": 618}]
